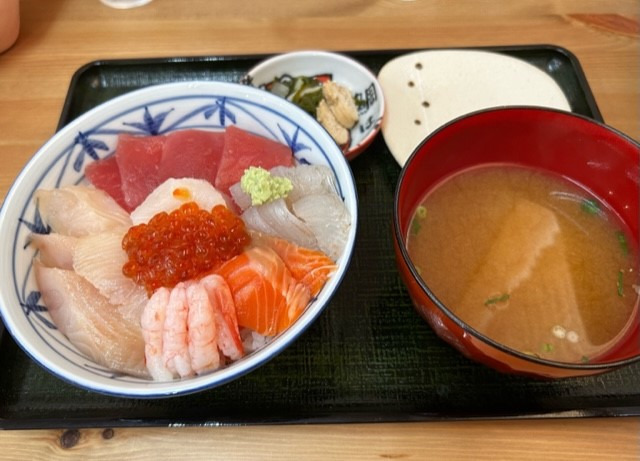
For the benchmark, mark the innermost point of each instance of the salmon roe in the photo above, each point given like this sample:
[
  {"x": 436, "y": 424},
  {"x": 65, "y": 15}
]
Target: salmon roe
[{"x": 181, "y": 245}]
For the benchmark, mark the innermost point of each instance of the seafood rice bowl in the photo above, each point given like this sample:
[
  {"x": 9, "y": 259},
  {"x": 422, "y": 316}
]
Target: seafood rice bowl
[{"x": 174, "y": 239}]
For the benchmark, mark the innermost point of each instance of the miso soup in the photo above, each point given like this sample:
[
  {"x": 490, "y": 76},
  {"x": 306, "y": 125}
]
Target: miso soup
[{"x": 528, "y": 259}]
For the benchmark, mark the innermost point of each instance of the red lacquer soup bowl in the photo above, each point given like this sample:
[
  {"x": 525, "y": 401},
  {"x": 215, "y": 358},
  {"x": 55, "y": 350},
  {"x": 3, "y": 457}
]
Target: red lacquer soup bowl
[{"x": 599, "y": 158}]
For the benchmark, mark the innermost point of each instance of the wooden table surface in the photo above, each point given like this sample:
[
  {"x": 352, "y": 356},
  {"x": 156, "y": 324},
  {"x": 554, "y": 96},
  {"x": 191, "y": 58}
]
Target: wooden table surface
[{"x": 58, "y": 36}]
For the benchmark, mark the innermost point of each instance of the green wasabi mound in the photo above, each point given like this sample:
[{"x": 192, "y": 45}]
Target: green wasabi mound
[{"x": 262, "y": 187}]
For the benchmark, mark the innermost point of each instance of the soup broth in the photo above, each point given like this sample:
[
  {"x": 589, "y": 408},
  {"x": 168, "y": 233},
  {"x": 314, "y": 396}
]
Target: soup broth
[{"x": 528, "y": 259}]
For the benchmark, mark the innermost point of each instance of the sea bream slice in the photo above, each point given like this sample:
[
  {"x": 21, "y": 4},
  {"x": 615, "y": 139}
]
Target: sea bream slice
[
  {"x": 328, "y": 218},
  {"x": 275, "y": 218}
]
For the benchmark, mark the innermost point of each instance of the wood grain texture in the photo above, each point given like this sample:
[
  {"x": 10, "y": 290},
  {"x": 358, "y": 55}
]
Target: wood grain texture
[
  {"x": 480, "y": 440},
  {"x": 59, "y": 36}
]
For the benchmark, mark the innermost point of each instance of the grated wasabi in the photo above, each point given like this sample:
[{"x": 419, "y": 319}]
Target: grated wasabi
[{"x": 263, "y": 187}]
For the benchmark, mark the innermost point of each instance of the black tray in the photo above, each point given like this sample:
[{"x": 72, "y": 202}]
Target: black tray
[{"x": 369, "y": 357}]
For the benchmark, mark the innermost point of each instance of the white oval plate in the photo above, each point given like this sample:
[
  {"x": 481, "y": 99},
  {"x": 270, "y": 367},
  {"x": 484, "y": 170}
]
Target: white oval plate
[{"x": 426, "y": 89}]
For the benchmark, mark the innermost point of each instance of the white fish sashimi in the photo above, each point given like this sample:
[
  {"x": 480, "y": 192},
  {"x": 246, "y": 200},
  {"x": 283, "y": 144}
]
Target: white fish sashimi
[
  {"x": 239, "y": 196},
  {"x": 99, "y": 259},
  {"x": 54, "y": 250},
  {"x": 173, "y": 193},
  {"x": 131, "y": 311},
  {"x": 306, "y": 180},
  {"x": 275, "y": 218},
  {"x": 252, "y": 341},
  {"x": 254, "y": 221},
  {"x": 93, "y": 325},
  {"x": 80, "y": 210},
  {"x": 328, "y": 218}
]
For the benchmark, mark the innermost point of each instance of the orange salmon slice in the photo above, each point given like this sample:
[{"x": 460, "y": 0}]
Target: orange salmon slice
[
  {"x": 267, "y": 296},
  {"x": 310, "y": 267}
]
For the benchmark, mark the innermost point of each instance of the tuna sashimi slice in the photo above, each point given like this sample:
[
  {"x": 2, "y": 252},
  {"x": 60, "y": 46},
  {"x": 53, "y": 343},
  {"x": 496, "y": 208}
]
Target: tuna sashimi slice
[
  {"x": 105, "y": 174},
  {"x": 242, "y": 150},
  {"x": 138, "y": 160},
  {"x": 267, "y": 297},
  {"x": 191, "y": 154}
]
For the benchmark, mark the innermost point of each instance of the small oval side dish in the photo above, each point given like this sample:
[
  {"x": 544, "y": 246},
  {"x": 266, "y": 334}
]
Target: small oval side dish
[
  {"x": 205, "y": 111},
  {"x": 298, "y": 74},
  {"x": 532, "y": 292}
]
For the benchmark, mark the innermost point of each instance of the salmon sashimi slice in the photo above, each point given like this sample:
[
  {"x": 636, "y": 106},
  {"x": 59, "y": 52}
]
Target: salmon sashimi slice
[
  {"x": 310, "y": 267},
  {"x": 224, "y": 311},
  {"x": 267, "y": 297}
]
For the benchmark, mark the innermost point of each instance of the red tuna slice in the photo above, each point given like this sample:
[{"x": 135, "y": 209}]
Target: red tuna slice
[
  {"x": 105, "y": 175},
  {"x": 138, "y": 160},
  {"x": 191, "y": 154},
  {"x": 242, "y": 150}
]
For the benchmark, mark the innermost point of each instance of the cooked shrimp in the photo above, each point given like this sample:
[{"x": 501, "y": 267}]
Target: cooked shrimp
[
  {"x": 152, "y": 322},
  {"x": 202, "y": 330},
  {"x": 224, "y": 309},
  {"x": 175, "y": 349}
]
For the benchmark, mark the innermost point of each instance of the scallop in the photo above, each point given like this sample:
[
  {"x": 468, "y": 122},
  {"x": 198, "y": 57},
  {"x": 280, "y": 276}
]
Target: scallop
[{"x": 174, "y": 193}]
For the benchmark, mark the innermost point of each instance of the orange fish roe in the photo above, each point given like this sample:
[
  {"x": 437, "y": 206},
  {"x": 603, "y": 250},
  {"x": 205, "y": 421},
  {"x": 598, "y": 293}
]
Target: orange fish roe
[{"x": 182, "y": 245}]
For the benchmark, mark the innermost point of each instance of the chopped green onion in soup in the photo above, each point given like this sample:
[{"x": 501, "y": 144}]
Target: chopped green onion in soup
[{"x": 590, "y": 206}]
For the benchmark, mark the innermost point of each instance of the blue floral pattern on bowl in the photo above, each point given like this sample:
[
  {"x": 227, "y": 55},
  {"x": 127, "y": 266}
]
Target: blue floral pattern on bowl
[{"x": 94, "y": 136}]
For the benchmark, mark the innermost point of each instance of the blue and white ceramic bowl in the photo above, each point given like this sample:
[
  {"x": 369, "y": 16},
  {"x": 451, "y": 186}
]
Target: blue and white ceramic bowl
[{"x": 61, "y": 161}]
